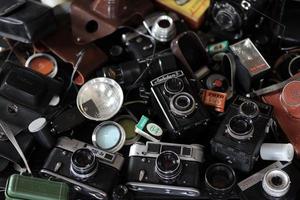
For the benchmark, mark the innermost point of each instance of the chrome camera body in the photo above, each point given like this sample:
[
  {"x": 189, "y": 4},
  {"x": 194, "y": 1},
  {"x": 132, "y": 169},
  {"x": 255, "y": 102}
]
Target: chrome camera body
[
  {"x": 88, "y": 169},
  {"x": 165, "y": 168}
]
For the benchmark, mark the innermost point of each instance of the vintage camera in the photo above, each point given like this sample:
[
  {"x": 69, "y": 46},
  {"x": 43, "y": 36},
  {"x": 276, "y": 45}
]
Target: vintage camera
[
  {"x": 90, "y": 170},
  {"x": 165, "y": 168},
  {"x": 231, "y": 18},
  {"x": 162, "y": 28},
  {"x": 180, "y": 108},
  {"x": 128, "y": 72},
  {"x": 277, "y": 181},
  {"x": 241, "y": 133}
]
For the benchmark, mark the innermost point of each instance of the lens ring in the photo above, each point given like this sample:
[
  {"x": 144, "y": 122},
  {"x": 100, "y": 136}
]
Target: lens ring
[
  {"x": 172, "y": 164},
  {"x": 276, "y": 183},
  {"x": 249, "y": 109},
  {"x": 170, "y": 83},
  {"x": 180, "y": 110},
  {"x": 240, "y": 128},
  {"x": 215, "y": 176},
  {"x": 88, "y": 168}
]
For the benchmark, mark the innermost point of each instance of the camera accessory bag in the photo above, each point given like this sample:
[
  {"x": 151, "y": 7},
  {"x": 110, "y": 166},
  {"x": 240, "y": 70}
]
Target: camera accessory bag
[
  {"x": 21, "y": 187},
  {"x": 18, "y": 22}
]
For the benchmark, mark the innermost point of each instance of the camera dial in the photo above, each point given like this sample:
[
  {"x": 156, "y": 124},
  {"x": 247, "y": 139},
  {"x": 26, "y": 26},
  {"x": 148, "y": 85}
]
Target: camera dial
[
  {"x": 168, "y": 166},
  {"x": 240, "y": 128},
  {"x": 182, "y": 104},
  {"x": 174, "y": 85},
  {"x": 276, "y": 183},
  {"x": 226, "y": 16},
  {"x": 83, "y": 163},
  {"x": 249, "y": 109}
]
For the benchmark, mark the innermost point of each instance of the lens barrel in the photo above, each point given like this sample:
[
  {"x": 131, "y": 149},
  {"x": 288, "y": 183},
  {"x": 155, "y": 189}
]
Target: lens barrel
[{"x": 219, "y": 181}]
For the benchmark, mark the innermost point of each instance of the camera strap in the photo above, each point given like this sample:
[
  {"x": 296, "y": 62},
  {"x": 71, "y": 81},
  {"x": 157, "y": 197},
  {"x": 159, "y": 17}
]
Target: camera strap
[
  {"x": 8, "y": 132},
  {"x": 272, "y": 88}
]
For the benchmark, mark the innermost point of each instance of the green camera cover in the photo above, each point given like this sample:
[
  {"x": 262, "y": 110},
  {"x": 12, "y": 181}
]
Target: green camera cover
[{"x": 20, "y": 187}]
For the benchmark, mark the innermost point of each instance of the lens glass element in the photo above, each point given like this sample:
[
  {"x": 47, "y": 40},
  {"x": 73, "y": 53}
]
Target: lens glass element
[
  {"x": 240, "y": 125},
  {"x": 83, "y": 163},
  {"x": 249, "y": 109},
  {"x": 108, "y": 136},
  {"x": 168, "y": 165}
]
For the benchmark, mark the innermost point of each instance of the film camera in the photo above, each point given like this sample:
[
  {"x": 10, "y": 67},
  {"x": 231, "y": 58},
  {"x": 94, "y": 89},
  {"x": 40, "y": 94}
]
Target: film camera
[
  {"x": 180, "y": 108},
  {"x": 277, "y": 181},
  {"x": 232, "y": 18},
  {"x": 165, "y": 168},
  {"x": 162, "y": 28},
  {"x": 241, "y": 133},
  {"x": 90, "y": 170}
]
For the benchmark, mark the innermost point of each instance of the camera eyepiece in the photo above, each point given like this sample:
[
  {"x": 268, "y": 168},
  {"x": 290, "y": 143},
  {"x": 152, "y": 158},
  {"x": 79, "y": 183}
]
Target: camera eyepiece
[
  {"x": 182, "y": 104},
  {"x": 240, "y": 127},
  {"x": 83, "y": 163},
  {"x": 219, "y": 180},
  {"x": 276, "y": 183},
  {"x": 168, "y": 166}
]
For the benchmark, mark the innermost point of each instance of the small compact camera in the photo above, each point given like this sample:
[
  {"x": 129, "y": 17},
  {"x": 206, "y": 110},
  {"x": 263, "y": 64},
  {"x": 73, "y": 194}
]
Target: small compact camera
[
  {"x": 277, "y": 181},
  {"x": 179, "y": 107},
  {"x": 165, "y": 168},
  {"x": 162, "y": 27},
  {"x": 242, "y": 132},
  {"x": 234, "y": 17},
  {"x": 90, "y": 170}
]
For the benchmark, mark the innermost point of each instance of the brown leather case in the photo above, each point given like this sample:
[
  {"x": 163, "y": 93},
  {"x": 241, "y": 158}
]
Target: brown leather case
[
  {"x": 289, "y": 124},
  {"x": 61, "y": 43},
  {"x": 95, "y": 19}
]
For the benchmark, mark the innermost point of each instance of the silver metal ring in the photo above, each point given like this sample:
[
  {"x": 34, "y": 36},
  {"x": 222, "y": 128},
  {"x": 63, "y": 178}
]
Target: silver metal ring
[
  {"x": 161, "y": 173},
  {"x": 245, "y": 136},
  {"x": 183, "y": 113},
  {"x": 251, "y": 115},
  {"x": 276, "y": 190},
  {"x": 163, "y": 34}
]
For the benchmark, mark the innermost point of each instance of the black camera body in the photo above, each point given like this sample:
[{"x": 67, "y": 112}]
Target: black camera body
[
  {"x": 25, "y": 94},
  {"x": 90, "y": 170},
  {"x": 128, "y": 72},
  {"x": 232, "y": 18},
  {"x": 141, "y": 46},
  {"x": 165, "y": 168},
  {"x": 241, "y": 133},
  {"x": 279, "y": 180},
  {"x": 177, "y": 103}
]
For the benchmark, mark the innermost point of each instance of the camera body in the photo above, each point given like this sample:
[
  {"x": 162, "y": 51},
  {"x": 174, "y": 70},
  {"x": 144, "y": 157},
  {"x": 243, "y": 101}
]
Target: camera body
[
  {"x": 241, "y": 133},
  {"x": 165, "y": 168},
  {"x": 178, "y": 106},
  {"x": 128, "y": 72},
  {"x": 231, "y": 18},
  {"x": 88, "y": 169},
  {"x": 163, "y": 28},
  {"x": 279, "y": 180}
]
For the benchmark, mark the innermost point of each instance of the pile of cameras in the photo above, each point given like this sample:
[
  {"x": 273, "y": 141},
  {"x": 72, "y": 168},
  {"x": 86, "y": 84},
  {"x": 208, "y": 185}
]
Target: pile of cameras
[{"x": 151, "y": 109}]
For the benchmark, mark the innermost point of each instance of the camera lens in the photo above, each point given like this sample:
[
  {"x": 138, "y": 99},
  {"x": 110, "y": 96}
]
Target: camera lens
[
  {"x": 219, "y": 180},
  {"x": 182, "y": 104},
  {"x": 250, "y": 109},
  {"x": 226, "y": 16},
  {"x": 174, "y": 85},
  {"x": 240, "y": 127},
  {"x": 164, "y": 29},
  {"x": 276, "y": 183},
  {"x": 168, "y": 166},
  {"x": 83, "y": 163}
]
